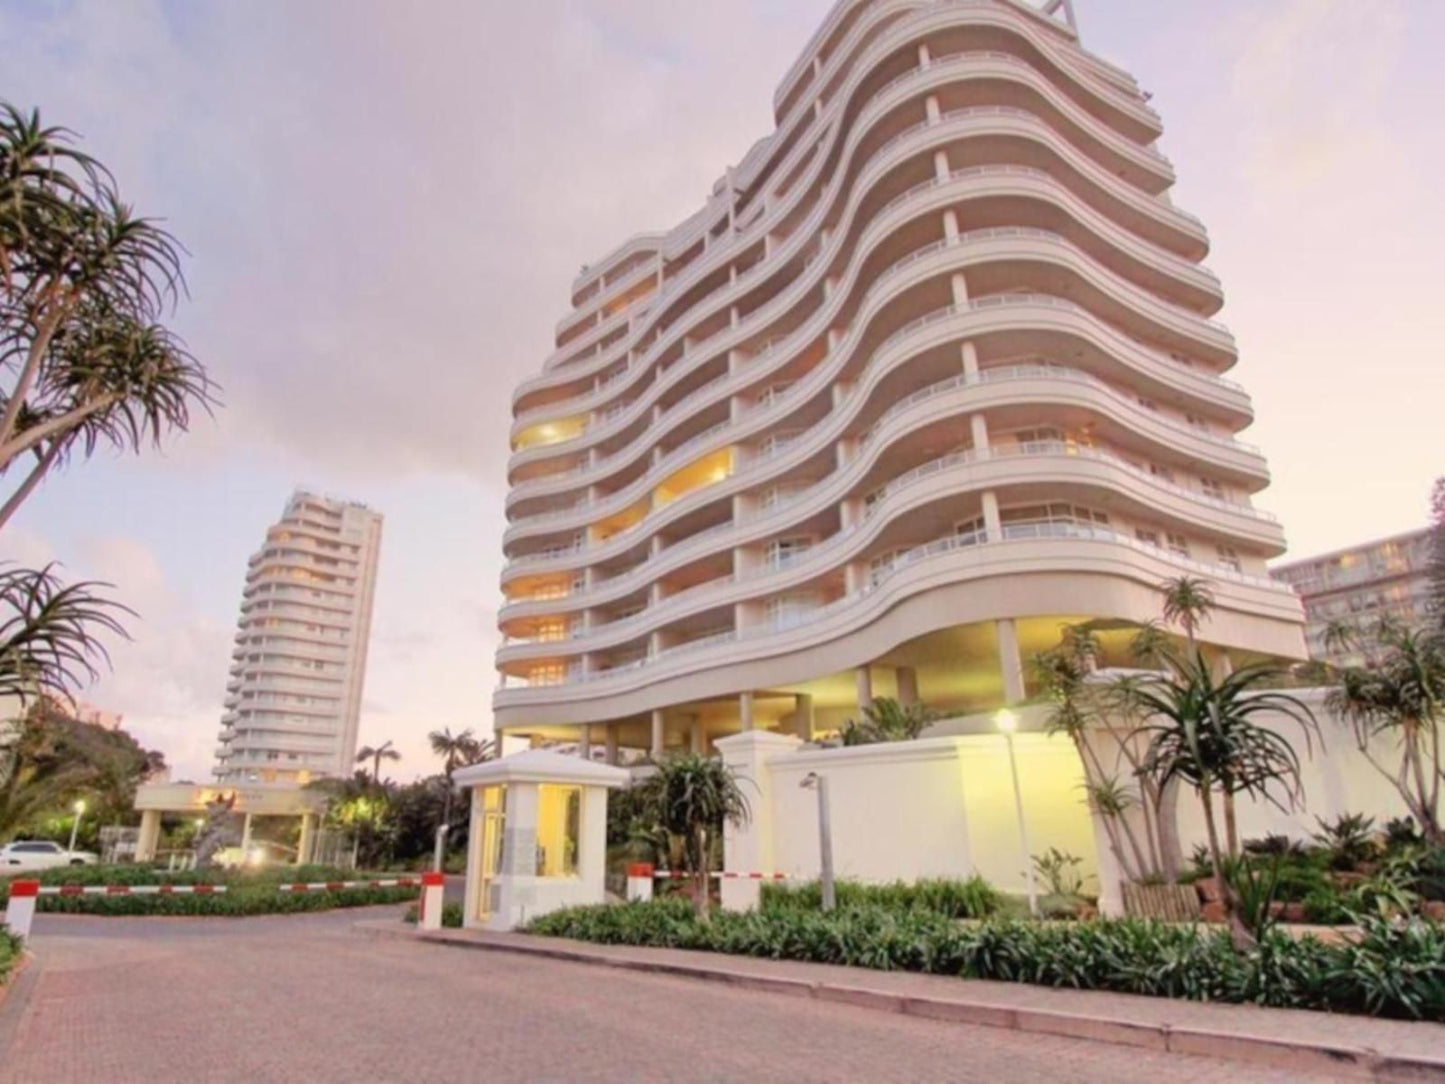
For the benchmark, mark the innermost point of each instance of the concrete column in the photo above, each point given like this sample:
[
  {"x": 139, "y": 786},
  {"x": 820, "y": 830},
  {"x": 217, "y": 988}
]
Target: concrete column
[
  {"x": 307, "y": 841},
  {"x": 655, "y": 546},
  {"x": 1009, "y": 660},
  {"x": 834, "y": 337},
  {"x": 992, "y": 520},
  {"x": 659, "y": 736},
  {"x": 931, "y": 109},
  {"x": 803, "y": 717},
  {"x": 245, "y": 835},
  {"x": 950, "y": 226},
  {"x": 924, "y": 59},
  {"x": 613, "y": 753},
  {"x": 1220, "y": 665},
  {"x": 150, "y": 835},
  {"x": 697, "y": 737},
  {"x": 907, "y": 678},
  {"x": 745, "y": 711},
  {"x": 855, "y": 577},
  {"x": 863, "y": 678},
  {"x": 970, "y": 362},
  {"x": 942, "y": 167},
  {"x": 960, "y": 288},
  {"x": 978, "y": 428},
  {"x": 584, "y": 742}
]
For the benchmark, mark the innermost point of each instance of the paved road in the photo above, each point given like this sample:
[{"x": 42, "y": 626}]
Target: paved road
[{"x": 306, "y": 998}]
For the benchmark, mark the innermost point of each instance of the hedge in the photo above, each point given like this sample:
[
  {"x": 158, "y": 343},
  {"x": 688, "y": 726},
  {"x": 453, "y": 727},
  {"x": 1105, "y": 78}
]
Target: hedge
[
  {"x": 10, "y": 949},
  {"x": 1389, "y": 970},
  {"x": 248, "y": 892},
  {"x": 971, "y": 898}
]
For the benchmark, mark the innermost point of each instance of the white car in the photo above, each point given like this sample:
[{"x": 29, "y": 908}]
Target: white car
[{"x": 23, "y": 856}]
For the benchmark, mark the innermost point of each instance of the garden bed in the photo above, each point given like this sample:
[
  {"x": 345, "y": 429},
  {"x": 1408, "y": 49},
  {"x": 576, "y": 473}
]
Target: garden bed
[
  {"x": 248, "y": 892},
  {"x": 1394, "y": 970}
]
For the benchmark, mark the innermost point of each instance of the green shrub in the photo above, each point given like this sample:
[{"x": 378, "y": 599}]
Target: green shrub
[
  {"x": 971, "y": 898},
  {"x": 145, "y": 875},
  {"x": 451, "y": 915},
  {"x": 10, "y": 949},
  {"x": 1393, "y": 970},
  {"x": 1325, "y": 906}
]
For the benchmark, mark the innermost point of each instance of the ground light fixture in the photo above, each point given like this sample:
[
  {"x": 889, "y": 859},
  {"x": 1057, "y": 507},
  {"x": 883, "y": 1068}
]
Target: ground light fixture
[
  {"x": 79, "y": 808},
  {"x": 814, "y": 781},
  {"x": 1007, "y": 722}
]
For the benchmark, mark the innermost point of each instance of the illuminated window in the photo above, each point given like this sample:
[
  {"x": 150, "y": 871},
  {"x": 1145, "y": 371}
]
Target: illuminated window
[
  {"x": 559, "y": 822},
  {"x": 552, "y": 673}
]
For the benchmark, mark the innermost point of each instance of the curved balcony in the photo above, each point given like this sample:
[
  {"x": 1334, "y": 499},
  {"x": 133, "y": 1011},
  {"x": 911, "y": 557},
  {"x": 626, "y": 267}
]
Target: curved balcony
[{"x": 876, "y": 109}]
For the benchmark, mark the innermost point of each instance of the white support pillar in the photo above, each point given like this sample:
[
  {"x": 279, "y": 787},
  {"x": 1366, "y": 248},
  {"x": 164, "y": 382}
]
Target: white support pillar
[
  {"x": 749, "y": 847},
  {"x": 992, "y": 519},
  {"x": 1010, "y": 662},
  {"x": 978, "y": 429},
  {"x": 950, "y": 226},
  {"x": 942, "y": 170},
  {"x": 931, "y": 109},
  {"x": 307, "y": 841},
  {"x": 959, "y": 285},
  {"x": 659, "y": 736},
  {"x": 245, "y": 835},
  {"x": 803, "y": 717},
  {"x": 970, "y": 362},
  {"x": 697, "y": 737},
  {"x": 150, "y": 835},
  {"x": 863, "y": 681},
  {"x": 584, "y": 742},
  {"x": 745, "y": 711},
  {"x": 924, "y": 58},
  {"x": 613, "y": 751}
]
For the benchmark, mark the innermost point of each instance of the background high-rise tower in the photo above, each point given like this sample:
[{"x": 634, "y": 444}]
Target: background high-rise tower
[{"x": 293, "y": 702}]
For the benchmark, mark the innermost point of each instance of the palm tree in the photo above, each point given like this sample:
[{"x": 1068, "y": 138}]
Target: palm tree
[
  {"x": 457, "y": 751},
  {"x": 1150, "y": 644},
  {"x": 1341, "y": 636},
  {"x": 1402, "y": 695},
  {"x": 376, "y": 754},
  {"x": 48, "y": 633},
  {"x": 692, "y": 797},
  {"x": 1204, "y": 732},
  {"x": 1188, "y": 602}
]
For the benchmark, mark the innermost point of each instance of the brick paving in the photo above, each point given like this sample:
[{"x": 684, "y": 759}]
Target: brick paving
[{"x": 307, "y": 998}]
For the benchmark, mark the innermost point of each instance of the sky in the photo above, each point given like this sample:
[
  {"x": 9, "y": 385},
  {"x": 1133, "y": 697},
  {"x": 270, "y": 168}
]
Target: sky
[{"x": 385, "y": 205}]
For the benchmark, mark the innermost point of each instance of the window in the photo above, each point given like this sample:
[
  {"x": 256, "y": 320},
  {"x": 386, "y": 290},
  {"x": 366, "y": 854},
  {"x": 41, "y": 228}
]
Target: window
[
  {"x": 1163, "y": 473},
  {"x": 1196, "y": 421},
  {"x": 1148, "y": 537},
  {"x": 1038, "y": 438},
  {"x": 788, "y": 611},
  {"x": 1178, "y": 544},
  {"x": 970, "y": 532},
  {"x": 1229, "y": 558},
  {"x": 552, "y": 673},
  {"x": 559, "y": 822},
  {"x": 1147, "y": 403},
  {"x": 1212, "y": 488},
  {"x": 1056, "y": 519}
]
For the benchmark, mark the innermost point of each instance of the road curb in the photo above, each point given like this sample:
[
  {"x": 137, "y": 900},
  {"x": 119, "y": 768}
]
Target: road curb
[
  {"x": 14, "y": 997},
  {"x": 1341, "y": 1062}
]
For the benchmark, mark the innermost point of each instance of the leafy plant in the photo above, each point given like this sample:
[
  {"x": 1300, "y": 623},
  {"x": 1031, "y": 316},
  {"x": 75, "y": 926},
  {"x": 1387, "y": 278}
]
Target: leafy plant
[
  {"x": 1256, "y": 887},
  {"x": 1060, "y": 872},
  {"x": 1348, "y": 840},
  {"x": 452, "y": 916},
  {"x": 887, "y": 720},
  {"x": 971, "y": 898},
  {"x": 1275, "y": 845},
  {"x": 692, "y": 797},
  {"x": 1401, "y": 832}
]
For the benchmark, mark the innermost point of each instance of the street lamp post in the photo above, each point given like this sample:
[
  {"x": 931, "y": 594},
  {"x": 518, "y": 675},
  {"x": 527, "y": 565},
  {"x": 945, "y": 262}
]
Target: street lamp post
[
  {"x": 79, "y": 808},
  {"x": 814, "y": 781},
  {"x": 1008, "y": 722}
]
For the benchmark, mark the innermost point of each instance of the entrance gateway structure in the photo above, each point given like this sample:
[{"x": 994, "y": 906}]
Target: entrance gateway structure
[
  {"x": 252, "y": 800},
  {"x": 538, "y": 839}
]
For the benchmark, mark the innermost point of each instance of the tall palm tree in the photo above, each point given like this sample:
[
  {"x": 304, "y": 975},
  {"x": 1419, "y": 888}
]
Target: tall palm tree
[
  {"x": 1402, "y": 695},
  {"x": 376, "y": 754},
  {"x": 457, "y": 751},
  {"x": 1188, "y": 602},
  {"x": 692, "y": 797},
  {"x": 1204, "y": 732}
]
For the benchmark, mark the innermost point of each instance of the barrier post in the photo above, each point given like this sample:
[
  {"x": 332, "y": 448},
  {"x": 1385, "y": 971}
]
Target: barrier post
[
  {"x": 639, "y": 882},
  {"x": 432, "y": 887},
  {"x": 21, "y": 909}
]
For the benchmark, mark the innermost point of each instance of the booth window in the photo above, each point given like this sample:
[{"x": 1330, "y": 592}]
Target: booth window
[{"x": 559, "y": 815}]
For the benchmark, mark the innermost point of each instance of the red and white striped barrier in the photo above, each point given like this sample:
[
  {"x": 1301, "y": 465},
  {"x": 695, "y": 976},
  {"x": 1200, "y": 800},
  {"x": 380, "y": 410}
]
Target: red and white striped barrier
[
  {"x": 717, "y": 875},
  {"x": 20, "y": 912},
  {"x": 641, "y": 875}
]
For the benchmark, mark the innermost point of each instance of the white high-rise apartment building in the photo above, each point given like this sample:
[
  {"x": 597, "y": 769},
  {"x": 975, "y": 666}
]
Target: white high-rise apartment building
[
  {"x": 294, "y": 699},
  {"x": 933, "y": 372}
]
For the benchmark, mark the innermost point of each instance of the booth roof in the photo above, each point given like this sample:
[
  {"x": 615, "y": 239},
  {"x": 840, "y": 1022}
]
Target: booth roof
[{"x": 542, "y": 766}]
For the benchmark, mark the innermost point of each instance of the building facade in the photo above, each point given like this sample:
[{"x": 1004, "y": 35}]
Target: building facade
[
  {"x": 293, "y": 702},
  {"x": 1350, "y": 590},
  {"x": 933, "y": 372}
]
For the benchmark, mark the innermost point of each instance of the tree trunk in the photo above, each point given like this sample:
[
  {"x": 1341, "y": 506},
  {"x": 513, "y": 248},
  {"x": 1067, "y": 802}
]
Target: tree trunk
[
  {"x": 699, "y": 881},
  {"x": 33, "y": 479},
  {"x": 1240, "y": 936},
  {"x": 1231, "y": 825}
]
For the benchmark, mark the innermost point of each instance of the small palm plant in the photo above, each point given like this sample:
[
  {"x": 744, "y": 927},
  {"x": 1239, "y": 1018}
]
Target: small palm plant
[
  {"x": 886, "y": 720},
  {"x": 1188, "y": 602},
  {"x": 693, "y": 798}
]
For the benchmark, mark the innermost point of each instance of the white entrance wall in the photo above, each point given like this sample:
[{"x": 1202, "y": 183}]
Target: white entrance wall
[{"x": 936, "y": 807}]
